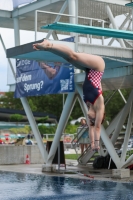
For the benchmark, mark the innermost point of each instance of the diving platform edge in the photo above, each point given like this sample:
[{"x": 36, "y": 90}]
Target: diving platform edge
[{"x": 92, "y": 30}]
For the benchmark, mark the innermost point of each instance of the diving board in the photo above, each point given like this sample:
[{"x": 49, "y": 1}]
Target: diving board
[
  {"x": 129, "y": 4},
  {"x": 113, "y": 56},
  {"x": 26, "y": 51},
  {"x": 77, "y": 28}
]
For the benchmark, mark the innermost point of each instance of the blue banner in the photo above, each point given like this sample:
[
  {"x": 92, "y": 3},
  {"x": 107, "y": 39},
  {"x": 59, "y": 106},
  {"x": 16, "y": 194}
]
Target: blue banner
[
  {"x": 38, "y": 78},
  {"x": 70, "y": 39}
]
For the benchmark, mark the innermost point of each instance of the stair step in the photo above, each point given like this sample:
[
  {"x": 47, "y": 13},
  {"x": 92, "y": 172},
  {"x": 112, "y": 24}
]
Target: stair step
[{"x": 117, "y": 146}]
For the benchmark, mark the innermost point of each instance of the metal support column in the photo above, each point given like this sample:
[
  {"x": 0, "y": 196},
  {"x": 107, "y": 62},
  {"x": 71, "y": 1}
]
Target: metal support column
[
  {"x": 127, "y": 135},
  {"x": 123, "y": 24},
  {"x": 26, "y": 105},
  {"x": 9, "y": 61},
  {"x": 110, "y": 147},
  {"x": 16, "y": 31},
  {"x": 73, "y": 10},
  {"x": 61, "y": 126},
  {"x": 122, "y": 119},
  {"x": 122, "y": 96},
  {"x": 112, "y": 126},
  {"x": 111, "y": 17},
  {"x": 80, "y": 97},
  {"x": 62, "y": 10}
]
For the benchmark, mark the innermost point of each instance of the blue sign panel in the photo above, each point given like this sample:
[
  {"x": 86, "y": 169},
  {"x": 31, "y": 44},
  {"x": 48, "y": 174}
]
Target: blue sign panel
[
  {"x": 38, "y": 78},
  {"x": 70, "y": 39}
]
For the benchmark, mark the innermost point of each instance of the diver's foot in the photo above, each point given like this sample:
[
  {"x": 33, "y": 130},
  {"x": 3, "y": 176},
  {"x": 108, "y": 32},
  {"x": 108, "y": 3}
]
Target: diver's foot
[
  {"x": 97, "y": 147},
  {"x": 92, "y": 146},
  {"x": 45, "y": 45}
]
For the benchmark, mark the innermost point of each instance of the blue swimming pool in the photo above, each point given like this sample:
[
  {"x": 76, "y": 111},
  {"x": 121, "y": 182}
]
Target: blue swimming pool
[{"x": 17, "y": 186}]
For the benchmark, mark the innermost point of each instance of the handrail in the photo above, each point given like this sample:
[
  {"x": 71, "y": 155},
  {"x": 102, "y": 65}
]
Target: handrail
[
  {"x": 80, "y": 17},
  {"x": 86, "y": 150},
  {"x": 78, "y": 138},
  {"x": 61, "y": 14}
]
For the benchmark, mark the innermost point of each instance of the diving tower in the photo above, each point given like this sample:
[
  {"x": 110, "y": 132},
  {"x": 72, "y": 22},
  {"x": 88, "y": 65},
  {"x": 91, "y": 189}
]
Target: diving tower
[{"x": 118, "y": 73}]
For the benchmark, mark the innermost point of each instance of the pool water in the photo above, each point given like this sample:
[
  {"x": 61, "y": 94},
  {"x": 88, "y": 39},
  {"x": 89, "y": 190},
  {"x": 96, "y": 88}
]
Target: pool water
[{"x": 18, "y": 186}]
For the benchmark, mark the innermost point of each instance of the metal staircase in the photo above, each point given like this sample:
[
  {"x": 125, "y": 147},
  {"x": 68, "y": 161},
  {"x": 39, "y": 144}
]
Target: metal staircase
[
  {"x": 88, "y": 155},
  {"x": 78, "y": 136}
]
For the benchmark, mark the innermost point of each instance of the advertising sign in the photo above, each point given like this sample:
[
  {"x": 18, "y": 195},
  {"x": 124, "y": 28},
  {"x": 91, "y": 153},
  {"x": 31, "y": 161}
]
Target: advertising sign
[{"x": 38, "y": 78}]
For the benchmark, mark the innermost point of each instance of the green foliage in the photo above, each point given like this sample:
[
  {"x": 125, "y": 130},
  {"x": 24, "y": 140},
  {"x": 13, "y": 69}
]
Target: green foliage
[
  {"x": 70, "y": 119},
  {"x": 115, "y": 104},
  {"x": 77, "y": 123},
  {"x": 47, "y": 129},
  {"x": 71, "y": 156},
  {"x": 32, "y": 105},
  {"x": 42, "y": 119},
  {"x": 8, "y": 101},
  {"x": 71, "y": 129},
  {"x": 76, "y": 112},
  {"x": 53, "y": 104},
  {"x": 16, "y": 117},
  {"x": 24, "y": 130},
  {"x": 27, "y": 129},
  {"x": 129, "y": 153}
]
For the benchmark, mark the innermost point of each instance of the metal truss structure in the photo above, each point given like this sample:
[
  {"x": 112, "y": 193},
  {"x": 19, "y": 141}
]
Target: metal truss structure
[{"x": 118, "y": 73}]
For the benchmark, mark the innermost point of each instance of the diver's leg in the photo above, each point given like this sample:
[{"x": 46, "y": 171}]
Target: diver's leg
[{"x": 83, "y": 59}]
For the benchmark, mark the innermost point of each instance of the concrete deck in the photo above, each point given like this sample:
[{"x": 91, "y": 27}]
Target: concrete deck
[{"x": 72, "y": 169}]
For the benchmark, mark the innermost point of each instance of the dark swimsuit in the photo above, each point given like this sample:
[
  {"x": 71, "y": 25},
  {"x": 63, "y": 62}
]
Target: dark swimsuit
[{"x": 91, "y": 85}]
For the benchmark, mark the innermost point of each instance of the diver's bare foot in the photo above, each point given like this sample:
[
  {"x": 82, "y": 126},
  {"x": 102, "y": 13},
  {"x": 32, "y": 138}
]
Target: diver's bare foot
[
  {"x": 45, "y": 45},
  {"x": 92, "y": 146},
  {"x": 97, "y": 147}
]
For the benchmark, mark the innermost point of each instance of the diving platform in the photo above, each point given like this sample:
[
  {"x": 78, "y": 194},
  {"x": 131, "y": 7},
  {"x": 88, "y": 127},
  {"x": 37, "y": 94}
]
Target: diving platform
[
  {"x": 118, "y": 72},
  {"x": 129, "y": 4},
  {"x": 82, "y": 29},
  {"x": 119, "y": 56}
]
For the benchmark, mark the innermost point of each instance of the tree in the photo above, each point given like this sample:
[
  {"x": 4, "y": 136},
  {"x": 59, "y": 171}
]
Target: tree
[
  {"x": 53, "y": 104},
  {"x": 8, "y": 101},
  {"x": 115, "y": 104},
  {"x": 76, "y": 112},
  {"x": 42, "y": 119},
  {"x": 16, "y": 117},
  {"x": 32, "y": 105}
]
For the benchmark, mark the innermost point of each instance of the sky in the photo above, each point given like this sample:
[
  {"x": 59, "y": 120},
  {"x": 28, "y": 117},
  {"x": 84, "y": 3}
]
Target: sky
[
  {"x": 25, "y": 37},
  {"x": 8, "y": 38}
]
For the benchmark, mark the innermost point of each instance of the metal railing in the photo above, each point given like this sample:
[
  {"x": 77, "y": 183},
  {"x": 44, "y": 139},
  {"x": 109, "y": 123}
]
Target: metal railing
[
  {"x": 90, "y": 22},
  {"x": 78, "y": 135}
]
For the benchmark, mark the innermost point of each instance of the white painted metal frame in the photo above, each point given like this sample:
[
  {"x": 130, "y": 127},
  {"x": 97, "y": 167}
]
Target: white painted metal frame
[
  {"x": 73, "y": 18},
  {"x": 9, "y": 61},
  {"x": 56, "y": 19},
  {"x": 26, "y": 106},
  {"x": 111, "y": 17},
  {"x": 114, "y": 127},
  {"x": 122, "y": 25}
]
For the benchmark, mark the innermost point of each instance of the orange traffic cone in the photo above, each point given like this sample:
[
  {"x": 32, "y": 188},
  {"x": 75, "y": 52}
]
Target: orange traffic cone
[{"x": 27, "y": 160}]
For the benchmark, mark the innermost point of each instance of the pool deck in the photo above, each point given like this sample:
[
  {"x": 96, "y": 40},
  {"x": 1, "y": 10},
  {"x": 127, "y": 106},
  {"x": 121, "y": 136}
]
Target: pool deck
[{"x": 72, "y": 170}]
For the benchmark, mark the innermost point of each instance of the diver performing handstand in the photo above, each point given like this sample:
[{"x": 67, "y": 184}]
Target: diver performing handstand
[{"x": 92, "y": 90}]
